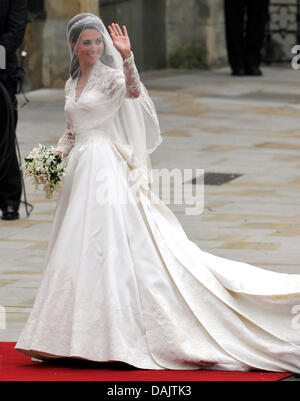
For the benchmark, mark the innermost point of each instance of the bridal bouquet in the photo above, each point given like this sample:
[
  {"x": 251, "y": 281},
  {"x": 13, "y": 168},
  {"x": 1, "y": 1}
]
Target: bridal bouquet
[{"x": 45, "y": 168}]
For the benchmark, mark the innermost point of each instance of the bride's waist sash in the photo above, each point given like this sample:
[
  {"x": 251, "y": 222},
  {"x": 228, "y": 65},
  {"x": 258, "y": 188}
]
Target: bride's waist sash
[{"x": 85, "y": 136}]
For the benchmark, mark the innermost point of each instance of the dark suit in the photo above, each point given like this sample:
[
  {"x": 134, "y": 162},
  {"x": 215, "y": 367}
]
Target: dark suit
[
  {"x": 245, "y": 22},
  {"x": 13, "y": 20}
]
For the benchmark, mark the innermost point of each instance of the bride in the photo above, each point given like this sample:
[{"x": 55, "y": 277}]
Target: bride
[{"x": 121, "y": 280}]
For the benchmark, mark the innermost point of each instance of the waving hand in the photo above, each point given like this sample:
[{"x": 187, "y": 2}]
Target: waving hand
[{"x": 120, "y": 40}]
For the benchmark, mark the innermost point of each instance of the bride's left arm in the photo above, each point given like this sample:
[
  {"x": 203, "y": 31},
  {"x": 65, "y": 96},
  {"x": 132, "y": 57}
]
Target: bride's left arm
[
  {"x": 122, "y": 44},
  {"x": 132, "y": 78}
]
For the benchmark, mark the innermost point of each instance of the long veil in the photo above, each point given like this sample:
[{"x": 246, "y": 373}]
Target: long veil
[{"x": 136, "y": 119}]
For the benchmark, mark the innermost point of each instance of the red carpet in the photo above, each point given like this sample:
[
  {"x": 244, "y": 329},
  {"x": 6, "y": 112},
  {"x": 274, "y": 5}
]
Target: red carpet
[{"x": 15, "y": 366}]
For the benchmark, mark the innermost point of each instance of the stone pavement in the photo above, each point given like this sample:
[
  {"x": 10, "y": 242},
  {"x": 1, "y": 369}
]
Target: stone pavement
[{"x": 210, "y": 121}]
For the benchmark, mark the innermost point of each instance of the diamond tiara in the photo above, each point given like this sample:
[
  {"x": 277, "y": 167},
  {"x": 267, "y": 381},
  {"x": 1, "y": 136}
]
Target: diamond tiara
[{"x": 85, "y": 20}]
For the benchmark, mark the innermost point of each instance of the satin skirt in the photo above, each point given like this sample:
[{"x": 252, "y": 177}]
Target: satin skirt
[{"x": 122, "y": 282}]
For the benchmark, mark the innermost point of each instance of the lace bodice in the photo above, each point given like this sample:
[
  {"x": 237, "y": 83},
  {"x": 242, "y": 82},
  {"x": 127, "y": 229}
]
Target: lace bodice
[{"x": 92, "y": 113}]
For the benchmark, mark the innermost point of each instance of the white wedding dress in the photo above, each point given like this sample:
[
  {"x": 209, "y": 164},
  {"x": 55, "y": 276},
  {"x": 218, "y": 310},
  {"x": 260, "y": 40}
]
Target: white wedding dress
[{"x": 122, "y": 282}]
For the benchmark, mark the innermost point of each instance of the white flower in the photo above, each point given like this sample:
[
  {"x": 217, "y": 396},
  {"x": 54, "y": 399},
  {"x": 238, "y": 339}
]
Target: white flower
[{"x": 45, "y": 169}]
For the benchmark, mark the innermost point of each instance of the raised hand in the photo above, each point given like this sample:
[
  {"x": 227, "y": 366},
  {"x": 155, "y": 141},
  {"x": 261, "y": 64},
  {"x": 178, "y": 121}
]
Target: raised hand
[{"x": 120, "y": 40}]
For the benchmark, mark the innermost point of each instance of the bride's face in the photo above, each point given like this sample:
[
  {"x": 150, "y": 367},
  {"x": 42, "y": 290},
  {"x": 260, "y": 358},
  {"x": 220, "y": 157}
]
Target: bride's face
[{"x": 90, "y": 46}]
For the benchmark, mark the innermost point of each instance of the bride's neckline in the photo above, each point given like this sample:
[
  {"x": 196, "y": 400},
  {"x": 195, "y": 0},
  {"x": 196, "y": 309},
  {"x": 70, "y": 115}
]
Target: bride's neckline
[
  {"x": 77, "y": 97},
  {"x": 96, "y": 67}
]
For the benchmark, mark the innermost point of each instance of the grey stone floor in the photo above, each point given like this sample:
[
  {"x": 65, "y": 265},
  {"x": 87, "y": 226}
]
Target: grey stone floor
[{"x": 211, "y": 121}]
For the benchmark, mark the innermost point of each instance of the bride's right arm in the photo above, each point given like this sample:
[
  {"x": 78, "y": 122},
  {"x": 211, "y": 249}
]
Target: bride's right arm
[{"x": 65, "y": 142}]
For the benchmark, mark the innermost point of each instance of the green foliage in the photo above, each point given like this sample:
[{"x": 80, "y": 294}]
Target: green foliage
[{"x": 189, "y": 57}]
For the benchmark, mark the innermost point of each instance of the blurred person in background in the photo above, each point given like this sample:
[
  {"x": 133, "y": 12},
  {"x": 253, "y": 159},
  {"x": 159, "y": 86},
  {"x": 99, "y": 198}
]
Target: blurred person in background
[
  {"x": 13, "y": 20},
  {"x": 245, "y": 22}
]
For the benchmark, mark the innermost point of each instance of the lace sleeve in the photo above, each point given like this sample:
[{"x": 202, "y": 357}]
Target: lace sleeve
[
  {"x": 132, "y": 79},
  {"x": 67, "y": 140},
  {"x": 120, "y": 84},
  {"x": 68, "y": 87}
]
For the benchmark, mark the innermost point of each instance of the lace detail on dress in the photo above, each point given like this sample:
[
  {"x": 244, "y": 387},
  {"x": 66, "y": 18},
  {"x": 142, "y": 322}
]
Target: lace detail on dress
[
  {"x": 112, "y": 84},
  {"x": 68, "y": 87},
  {"x": 118, "y": 81},
  {"x": 65, "y": 142},
  {"x": 133, "y": 83}
]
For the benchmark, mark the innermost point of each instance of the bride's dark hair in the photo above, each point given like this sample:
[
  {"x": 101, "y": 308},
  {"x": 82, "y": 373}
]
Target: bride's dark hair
[{"x": 73, "y": 36}]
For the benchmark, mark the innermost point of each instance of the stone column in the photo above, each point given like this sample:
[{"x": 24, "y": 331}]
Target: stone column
[
  {"x": 33, "y": 44},
  {"x": 145, "y": 22},
  {"x": 89, "y": 6},
  {"x": 195, "y": 32}
]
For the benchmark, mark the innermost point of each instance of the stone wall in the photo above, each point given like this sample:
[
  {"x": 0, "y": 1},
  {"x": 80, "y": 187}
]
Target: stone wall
[
  {"x": 163, "y": 33},
  {"x": 198, "y": 23},
  {"x": 33, "y": 63},
  {"x": 283, "y": 19},
  {"x": 160, "y": 29},
  {"x": 157, "y": 29},
  {"x": 145, "y": 22}
]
